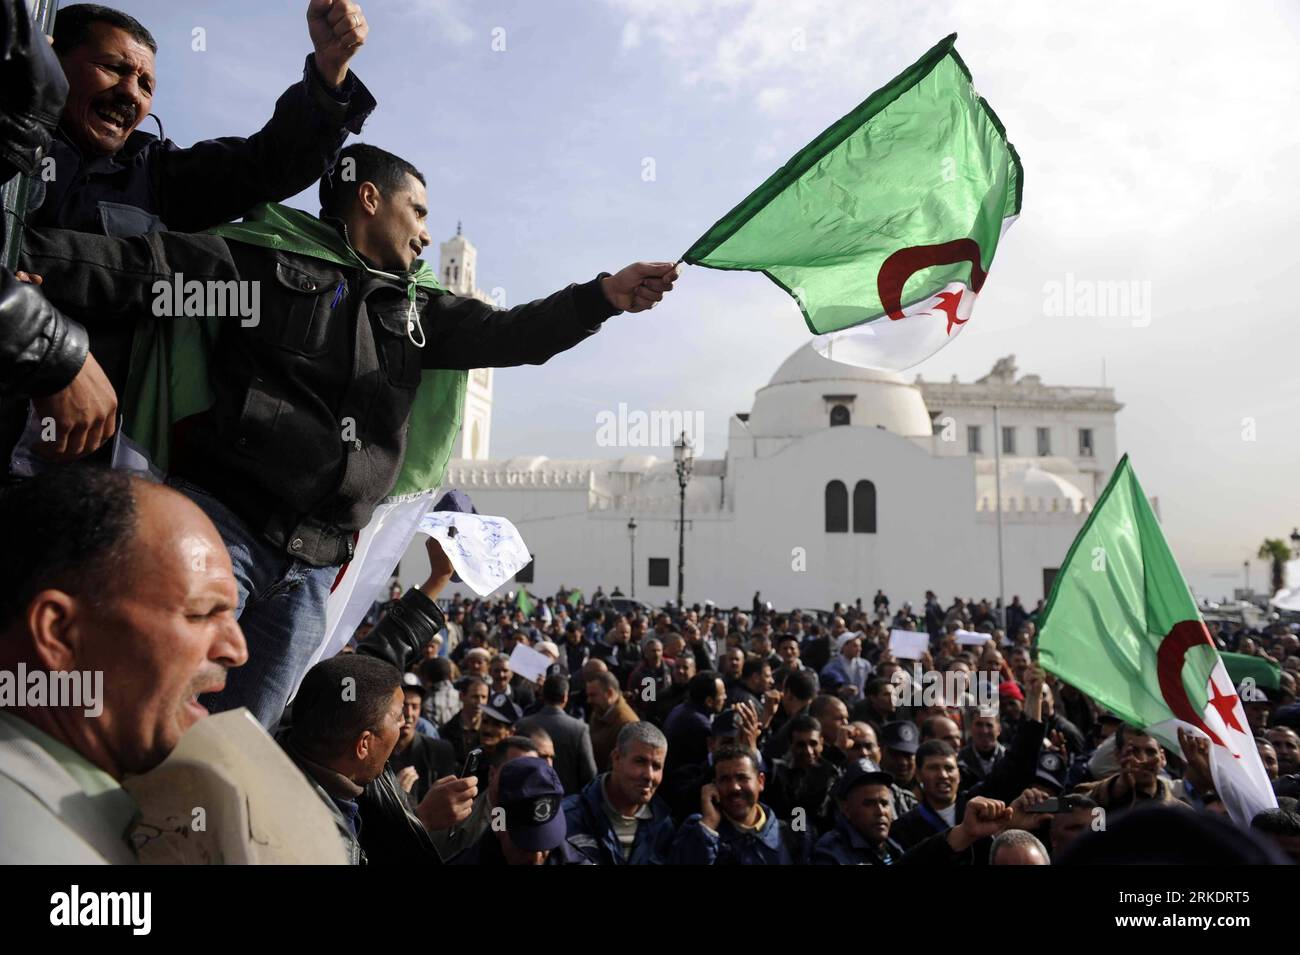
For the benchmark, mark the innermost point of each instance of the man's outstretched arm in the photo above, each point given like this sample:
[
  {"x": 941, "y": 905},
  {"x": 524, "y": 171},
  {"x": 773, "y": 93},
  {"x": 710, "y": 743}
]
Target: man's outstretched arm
[
  {"x": 218, "y": 180},
  {"x": 465, "y": 333}
]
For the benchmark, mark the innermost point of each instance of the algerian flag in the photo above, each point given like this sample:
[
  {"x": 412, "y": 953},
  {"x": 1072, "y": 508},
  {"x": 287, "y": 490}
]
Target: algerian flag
[
  {"x": 1122, "y": 627},
  {"x": 883, "y": 228}
]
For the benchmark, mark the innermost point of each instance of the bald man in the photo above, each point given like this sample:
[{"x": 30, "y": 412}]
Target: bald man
[{"x": 117, "y": 605}]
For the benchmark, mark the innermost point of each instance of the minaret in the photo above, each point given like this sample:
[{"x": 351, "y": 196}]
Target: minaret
[{"x": 458, "y": 261}]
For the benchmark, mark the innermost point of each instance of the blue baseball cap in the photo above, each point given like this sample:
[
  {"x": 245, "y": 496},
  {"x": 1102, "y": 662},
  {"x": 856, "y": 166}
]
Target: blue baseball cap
[{"x": 530, "y": 793}]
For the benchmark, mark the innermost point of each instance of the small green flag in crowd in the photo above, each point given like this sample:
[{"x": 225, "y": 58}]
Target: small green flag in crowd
[
  {"x": 524, "y": 602},
  {"x": 883, "y": 228},
  {"x": 1121, "y": 626}
]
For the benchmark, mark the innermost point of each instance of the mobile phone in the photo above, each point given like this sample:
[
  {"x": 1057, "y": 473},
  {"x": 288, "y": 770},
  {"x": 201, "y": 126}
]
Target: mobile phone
[
  {"x": 1052, "y": 805},
  {"x": 471, "y": 763}
]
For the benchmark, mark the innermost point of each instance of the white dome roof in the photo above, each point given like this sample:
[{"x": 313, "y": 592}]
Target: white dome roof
[
  {"x": 805, "y": 364},
  {"x": 1029, "y": 482},
  {"x": 794, "y": 401}
]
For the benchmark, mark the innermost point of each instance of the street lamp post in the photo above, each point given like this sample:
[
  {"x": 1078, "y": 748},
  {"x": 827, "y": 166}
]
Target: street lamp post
[
  {"x": 631, "y": 539},
  {"x": 684, "y": 458}
]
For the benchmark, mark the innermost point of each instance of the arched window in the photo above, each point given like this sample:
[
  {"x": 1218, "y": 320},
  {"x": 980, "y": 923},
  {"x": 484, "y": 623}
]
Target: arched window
[
  {"x": 839, "y": 415},
  {"x": 864, "y": 508},
  {"x": 837, "y": 508}
]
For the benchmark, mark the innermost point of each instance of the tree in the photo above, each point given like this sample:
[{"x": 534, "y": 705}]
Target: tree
[{"x": 1278, "y": 553}]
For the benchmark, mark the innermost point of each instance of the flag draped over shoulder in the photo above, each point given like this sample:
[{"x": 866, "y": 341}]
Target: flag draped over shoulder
[
  {"x": 1122, "y": 627},
  {"x": 884, "y": 227},
  {"x": 169, "y": 381}
]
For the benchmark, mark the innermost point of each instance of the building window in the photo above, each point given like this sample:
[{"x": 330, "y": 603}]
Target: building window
[
  {"x": 837, "y": 508},
  {"x": 839, "y": 415},
  {"x": 864, "y": 508},
  {"x": 658, "y": 575},
  {"x": 973, "y": 443},
  {"x": 1044, "y": 442},
  {"x": 1008, "y": 440},
  {"x": 525, "y": 574},
  {"x": 1085, "y": 443}
]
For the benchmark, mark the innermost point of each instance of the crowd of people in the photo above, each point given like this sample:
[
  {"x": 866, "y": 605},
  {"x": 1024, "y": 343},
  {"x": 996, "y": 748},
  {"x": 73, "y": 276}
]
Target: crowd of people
[
  {"x": 683, "y": 735},
  {"x": 707, "y": 736}
]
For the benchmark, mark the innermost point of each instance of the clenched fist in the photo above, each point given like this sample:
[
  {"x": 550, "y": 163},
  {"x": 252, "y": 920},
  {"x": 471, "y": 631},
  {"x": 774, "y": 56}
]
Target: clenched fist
[{"x": 337, "y": 29}]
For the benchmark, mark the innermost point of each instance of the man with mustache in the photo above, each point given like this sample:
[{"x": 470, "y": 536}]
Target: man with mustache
[
  {"x": 733, "y": 827},
  {"x": 109, "y": 177},
  {"x": 104, "y": 573},
  {"x": 44, "y": 355}
]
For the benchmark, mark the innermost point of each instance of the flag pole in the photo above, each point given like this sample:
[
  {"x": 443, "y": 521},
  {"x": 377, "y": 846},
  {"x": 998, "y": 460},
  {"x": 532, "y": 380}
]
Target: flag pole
[{"x": 997, "y": 480}]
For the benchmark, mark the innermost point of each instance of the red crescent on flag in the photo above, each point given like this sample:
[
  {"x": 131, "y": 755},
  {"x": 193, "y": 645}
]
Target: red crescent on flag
[
  {"x": 903, "y": 264},
  {"x": 1169, "y": 668}
]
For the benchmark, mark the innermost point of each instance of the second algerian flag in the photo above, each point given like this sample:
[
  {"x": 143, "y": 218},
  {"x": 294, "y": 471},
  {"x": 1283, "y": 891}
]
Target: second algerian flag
[
  {"x": 1122, "y": 627},
  {"x": 883, "y": 228}
]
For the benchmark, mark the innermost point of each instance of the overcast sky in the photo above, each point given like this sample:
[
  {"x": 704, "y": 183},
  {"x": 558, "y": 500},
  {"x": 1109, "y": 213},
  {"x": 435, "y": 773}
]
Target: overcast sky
[{"x": 1159, "y": 143}]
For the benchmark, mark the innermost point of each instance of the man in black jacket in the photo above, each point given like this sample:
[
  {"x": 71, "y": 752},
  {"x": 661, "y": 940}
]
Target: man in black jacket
[
  {"x": 312, "y": 402},
  {"x": 44, "y": 356},
  {"x": 111, "y": 178},
  {"x": 346, "y": 720}
]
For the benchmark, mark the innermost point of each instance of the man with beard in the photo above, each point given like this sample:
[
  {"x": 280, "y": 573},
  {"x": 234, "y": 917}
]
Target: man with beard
[
  {"x": 617, "y": 819},
  {"x": 733, "y": 827}
]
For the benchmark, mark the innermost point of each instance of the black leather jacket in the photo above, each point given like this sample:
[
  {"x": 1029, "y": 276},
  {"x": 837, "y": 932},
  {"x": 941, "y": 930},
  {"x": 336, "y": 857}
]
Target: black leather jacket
[
  {"x": 406, "y": 629},
  {"x": 41, "y": 351},
  {"x": 331, "y": 346}
]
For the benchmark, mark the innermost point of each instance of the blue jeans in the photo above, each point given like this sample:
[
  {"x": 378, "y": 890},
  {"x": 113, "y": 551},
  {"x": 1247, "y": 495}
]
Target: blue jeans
[{"x": 281, "y": 611}]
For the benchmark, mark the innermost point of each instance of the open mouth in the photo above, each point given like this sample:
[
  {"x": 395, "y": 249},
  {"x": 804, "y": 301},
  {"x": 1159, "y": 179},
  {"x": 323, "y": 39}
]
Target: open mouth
[
  {"x": 116, "y": 117},
  {"x": 416, "y": 248}
]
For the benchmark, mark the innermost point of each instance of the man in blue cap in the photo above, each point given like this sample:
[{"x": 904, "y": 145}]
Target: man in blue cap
[{"x": 527, "y": 826}]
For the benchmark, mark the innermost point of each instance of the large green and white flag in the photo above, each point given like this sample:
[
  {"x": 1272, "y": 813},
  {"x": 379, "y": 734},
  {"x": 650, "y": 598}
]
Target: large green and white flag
[
  {"x": 1121, "y": 626},
  {"x": 883, "y": 228}
]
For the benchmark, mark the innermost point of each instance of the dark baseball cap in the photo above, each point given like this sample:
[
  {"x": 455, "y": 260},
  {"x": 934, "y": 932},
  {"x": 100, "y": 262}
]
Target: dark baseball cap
[
  {"x": 726, "y": 725},
  {"x": 859, "y": 773},
  {"x": 412, "y": 682},
  {"x": 901, "y": 735},
  {"x": 1051, "y": 770},
  {"x": 530, "y": 793},
  {"x": 502, "y": 709}
]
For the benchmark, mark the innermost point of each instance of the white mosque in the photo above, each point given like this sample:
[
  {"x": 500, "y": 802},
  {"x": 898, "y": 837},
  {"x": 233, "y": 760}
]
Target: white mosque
[{"x": 837, "y": 481}]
